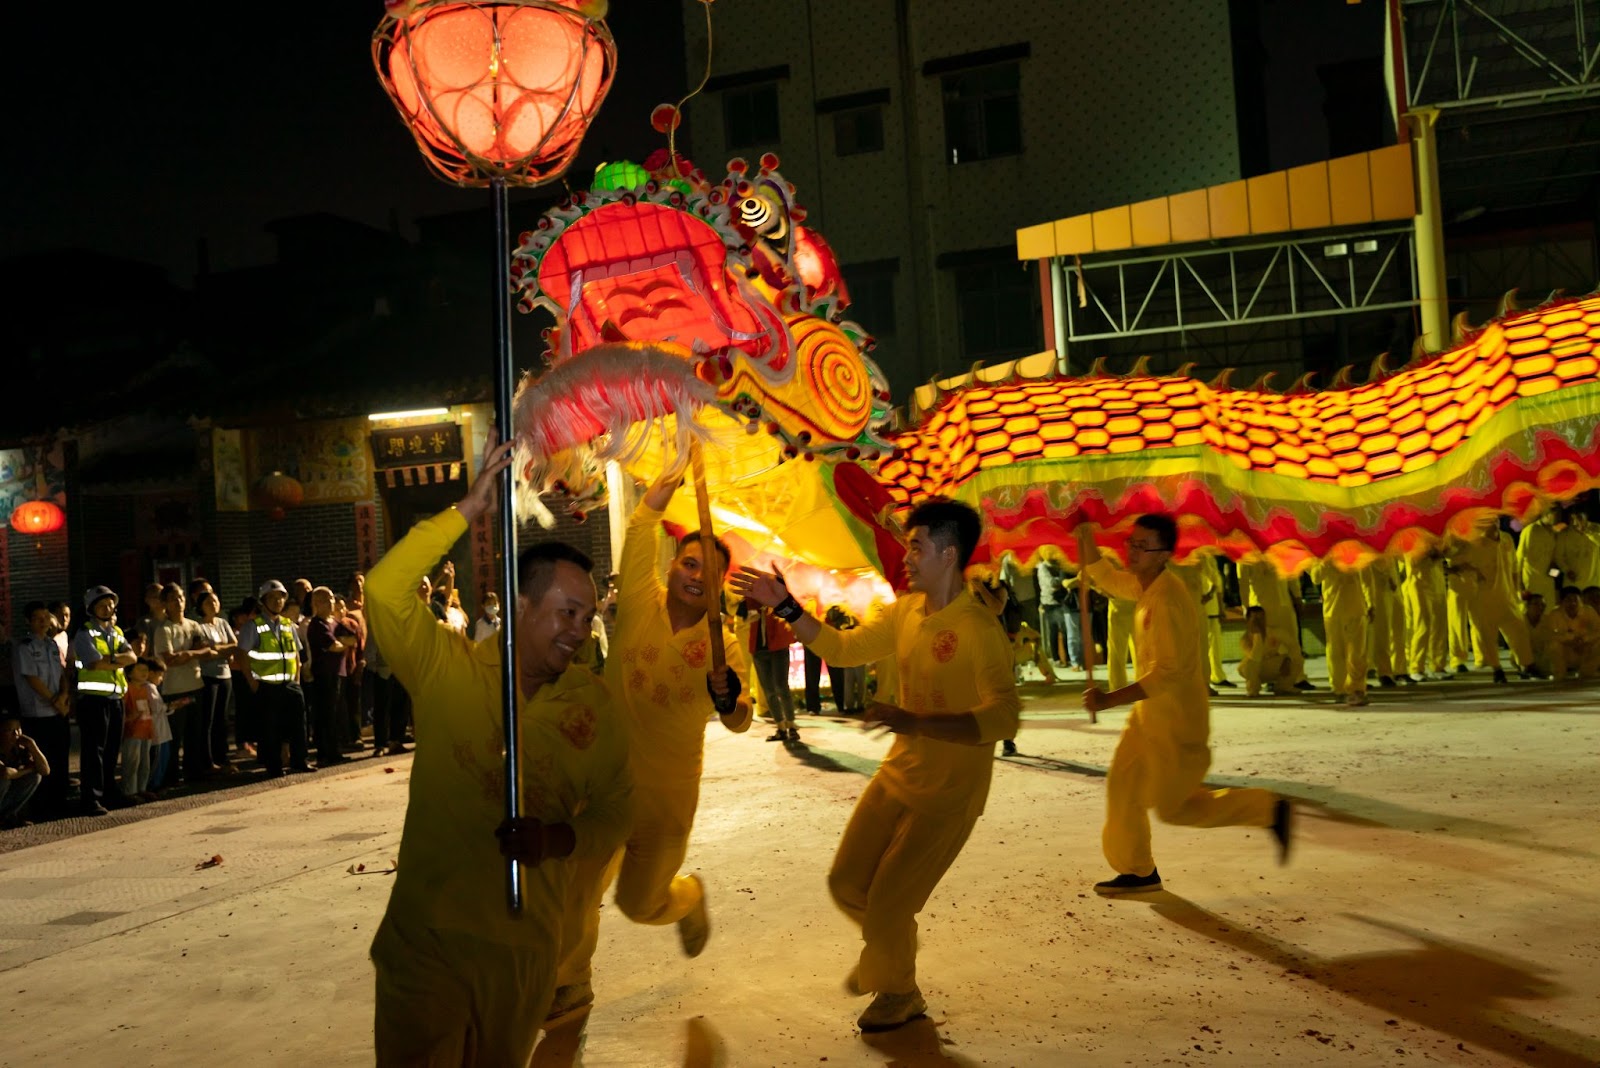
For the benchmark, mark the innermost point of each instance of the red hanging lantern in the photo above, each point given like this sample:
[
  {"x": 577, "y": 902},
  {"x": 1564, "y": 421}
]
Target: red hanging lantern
[
  {"x": 495, "y": 90},
  {"x": 38, "y": 517},
  {"x": 278, "y": 492}
]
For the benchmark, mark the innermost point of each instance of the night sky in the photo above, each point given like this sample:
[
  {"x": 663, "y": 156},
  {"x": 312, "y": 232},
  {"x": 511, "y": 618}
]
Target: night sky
[
  {"x": 143, "y": 130},
  {"x": 157, "y": 125}
]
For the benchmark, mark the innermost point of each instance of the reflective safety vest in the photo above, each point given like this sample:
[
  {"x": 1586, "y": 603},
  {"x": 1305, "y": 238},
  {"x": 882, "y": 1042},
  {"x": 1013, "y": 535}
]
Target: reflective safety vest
[
  {"x": 92, "y": 683},
  {"x": 276, "y": 657}
]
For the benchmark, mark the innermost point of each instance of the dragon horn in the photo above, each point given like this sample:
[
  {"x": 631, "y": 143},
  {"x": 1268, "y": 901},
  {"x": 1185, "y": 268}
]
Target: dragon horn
[
  {"x": 1186, "y": 371},
  {"x": 1508, "y": 304},
  {"x": 1419, "y": 349},
  {"x": 1223, "y": 381},
  {"x": 1344, "y": 379},
  {"x": 1264, "y": 383},
  {"x": 1380, "y": 368},
  {"x": 1141, "y": 368},
  {"x": 1460, "y": 327},
  {"x": 1302, "y": 385},
  {"x": 1098, "y": 368}
]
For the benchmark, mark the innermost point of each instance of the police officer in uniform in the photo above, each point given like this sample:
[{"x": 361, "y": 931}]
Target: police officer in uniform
[
  {"x": 274, "y": 652},
  {"x": 101, "y": 652}
]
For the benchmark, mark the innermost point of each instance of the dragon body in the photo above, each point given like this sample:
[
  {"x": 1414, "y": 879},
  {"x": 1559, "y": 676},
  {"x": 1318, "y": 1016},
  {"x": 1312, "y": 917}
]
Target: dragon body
[{"x": 1503, "y": 422}]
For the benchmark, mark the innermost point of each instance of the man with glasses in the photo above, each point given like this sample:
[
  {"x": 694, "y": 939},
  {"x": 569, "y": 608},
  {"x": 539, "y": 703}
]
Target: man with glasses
[{"x": 1162, "y": 757}]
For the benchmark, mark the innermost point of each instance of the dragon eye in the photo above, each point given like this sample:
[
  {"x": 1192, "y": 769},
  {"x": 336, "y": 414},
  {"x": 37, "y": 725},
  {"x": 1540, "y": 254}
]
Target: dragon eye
[{"x": 757, "y": 214}]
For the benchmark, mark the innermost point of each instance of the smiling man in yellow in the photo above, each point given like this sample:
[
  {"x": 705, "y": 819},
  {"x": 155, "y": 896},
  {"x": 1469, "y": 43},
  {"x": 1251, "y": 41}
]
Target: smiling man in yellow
[
  {"x": 958, "y": 697},
  {"x": 660, "y": 670},
  {"x": 1165, "y": 749},
  {"x": 461, "y": 981}
]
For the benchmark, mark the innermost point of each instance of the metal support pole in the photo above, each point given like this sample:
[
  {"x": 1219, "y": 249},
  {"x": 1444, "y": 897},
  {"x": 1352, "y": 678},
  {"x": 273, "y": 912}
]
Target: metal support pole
[
  {"x": 1058, "y": 312},
  {"x": 504, "y": 388},
  {"x": 1431, "y": 284}
]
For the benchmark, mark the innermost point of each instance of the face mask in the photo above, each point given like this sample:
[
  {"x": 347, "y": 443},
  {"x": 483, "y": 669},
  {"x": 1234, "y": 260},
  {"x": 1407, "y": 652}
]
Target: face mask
[{"x": 491, "y": 612}]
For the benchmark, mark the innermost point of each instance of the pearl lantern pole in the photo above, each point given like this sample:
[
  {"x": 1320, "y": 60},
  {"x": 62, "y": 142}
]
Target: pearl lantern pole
[{"x": 498, "y": 94}]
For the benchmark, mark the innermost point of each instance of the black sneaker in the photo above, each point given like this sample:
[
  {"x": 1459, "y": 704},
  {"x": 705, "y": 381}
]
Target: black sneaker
[
  {"x": 1008, "y": 748},
  {"x": 1461, "y": 669},
  {"x": 1407, "y": 680},
  {"x": 1212, "y": 691},
  {"x": 1305, "y": 684},
  {"x": 94, "y": 808},
  {"x": 1225, "y": 684},
  {"x": 794, "y": 736},
  {"x": 779, "y": 735},
  {"x": 1283, "y": 827},
  {"x": 1387, "y": 681},
  {"x": 1500, "y": 676},
  {"x": 1129, "y": 884}
]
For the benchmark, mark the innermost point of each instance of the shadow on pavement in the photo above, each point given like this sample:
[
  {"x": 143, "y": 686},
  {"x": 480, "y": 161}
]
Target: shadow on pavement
[
  {"x": 703, "y": 1047},
  {"x": 1447, "y": 987},
  {"x": 1341, "y": 806},
  {"x": 1359, "y": 809},
  {"x": 916, "y": 1045},
  {"x": 1044, "y": 763},
  {"x": 830, "y": 759}
]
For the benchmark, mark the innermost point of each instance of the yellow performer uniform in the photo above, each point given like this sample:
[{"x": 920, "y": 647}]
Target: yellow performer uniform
[
  {"x": 1425, "y": 612},
  {"x": 1346, "y": 605},
  {"x": 1461, "y": 588},
  {"x": 659, "y": 678},
  {"x": 1388, "y": 630},
  {"x": 1577, "y": 553},
  {"x": 924, "y": 799},
  {"x": 1161, "y": 760},
  {"x": 459, "y": 979},
  {"x": 1211, "y": 608},
  {"x": 1260, "y": 584},
  {"x": 1193, "y": 577},
  {"x": 1573, "y": 641},
  {"x": 1120, "y": 642},
  {"x": 1493, "y": 608},
  {"x": 1263, "y": 659},
  {"x": 1536, "y": 554}
]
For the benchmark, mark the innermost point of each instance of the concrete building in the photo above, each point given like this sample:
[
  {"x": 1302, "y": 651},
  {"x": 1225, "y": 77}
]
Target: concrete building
[{"x": 921, "y": 136}]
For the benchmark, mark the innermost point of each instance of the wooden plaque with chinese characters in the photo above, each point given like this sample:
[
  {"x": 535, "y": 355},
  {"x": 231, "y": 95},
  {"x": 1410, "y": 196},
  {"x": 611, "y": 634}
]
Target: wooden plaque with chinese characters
[{"x": 410, "y": 446}]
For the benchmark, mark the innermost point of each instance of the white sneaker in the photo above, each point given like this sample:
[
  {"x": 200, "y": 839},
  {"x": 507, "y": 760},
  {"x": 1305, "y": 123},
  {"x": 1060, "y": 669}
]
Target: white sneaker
[{"x": 889, "y": 1011}]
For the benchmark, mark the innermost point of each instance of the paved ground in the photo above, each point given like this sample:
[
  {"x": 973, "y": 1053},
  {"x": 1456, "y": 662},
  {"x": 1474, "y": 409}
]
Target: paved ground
[{"x": 1441, "y": 907}]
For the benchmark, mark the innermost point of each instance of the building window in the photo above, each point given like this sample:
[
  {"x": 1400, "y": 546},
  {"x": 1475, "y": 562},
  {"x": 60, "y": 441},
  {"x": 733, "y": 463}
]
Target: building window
[
  {"x": 858, "y": 130},
  {"x": 982, "y": 112},
  {"x": 750, "y": 116},
  {"x": 871, "y": 288},
  {"x": 997, "y": 305}
]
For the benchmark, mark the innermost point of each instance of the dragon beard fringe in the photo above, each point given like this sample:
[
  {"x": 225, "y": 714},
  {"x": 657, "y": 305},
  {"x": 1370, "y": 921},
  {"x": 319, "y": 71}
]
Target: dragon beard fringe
[{"x": 620, "y": 395}]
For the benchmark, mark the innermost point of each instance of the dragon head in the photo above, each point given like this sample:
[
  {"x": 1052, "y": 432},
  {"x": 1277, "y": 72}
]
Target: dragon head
[{"x": 672, "y": 295}]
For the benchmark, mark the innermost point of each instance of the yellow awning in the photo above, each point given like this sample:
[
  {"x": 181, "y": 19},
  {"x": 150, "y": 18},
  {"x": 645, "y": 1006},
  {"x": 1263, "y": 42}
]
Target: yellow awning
[{"x": 1357, "y": 190}]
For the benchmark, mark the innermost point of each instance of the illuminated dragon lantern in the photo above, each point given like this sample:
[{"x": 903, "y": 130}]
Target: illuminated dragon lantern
[
  {"x": 1502, "y": 424},
  {"x": 688, "y": 309}
]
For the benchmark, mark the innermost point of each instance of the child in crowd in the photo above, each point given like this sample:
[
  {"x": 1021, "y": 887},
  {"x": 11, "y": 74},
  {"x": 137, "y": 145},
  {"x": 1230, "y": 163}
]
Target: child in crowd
[
  {"x": 139, "y": 711},
  {"x": 161, "y": 743}
]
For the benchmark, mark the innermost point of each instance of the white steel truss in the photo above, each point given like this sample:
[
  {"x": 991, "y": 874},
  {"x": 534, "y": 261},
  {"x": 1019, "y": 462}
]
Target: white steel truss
[
  {"x": 1303, "y": 277},
  {"x": 1531, "y": 51}
]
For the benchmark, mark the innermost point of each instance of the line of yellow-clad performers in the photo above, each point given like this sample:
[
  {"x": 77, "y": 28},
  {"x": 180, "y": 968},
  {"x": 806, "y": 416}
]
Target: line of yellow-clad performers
[{"x": 611, "y": 767}]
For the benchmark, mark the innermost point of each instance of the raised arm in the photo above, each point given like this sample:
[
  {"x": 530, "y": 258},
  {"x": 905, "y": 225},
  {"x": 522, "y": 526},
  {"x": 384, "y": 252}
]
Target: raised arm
[
  {"x": 866, "y": 644},
  {"x": 413, "y": 640}
]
